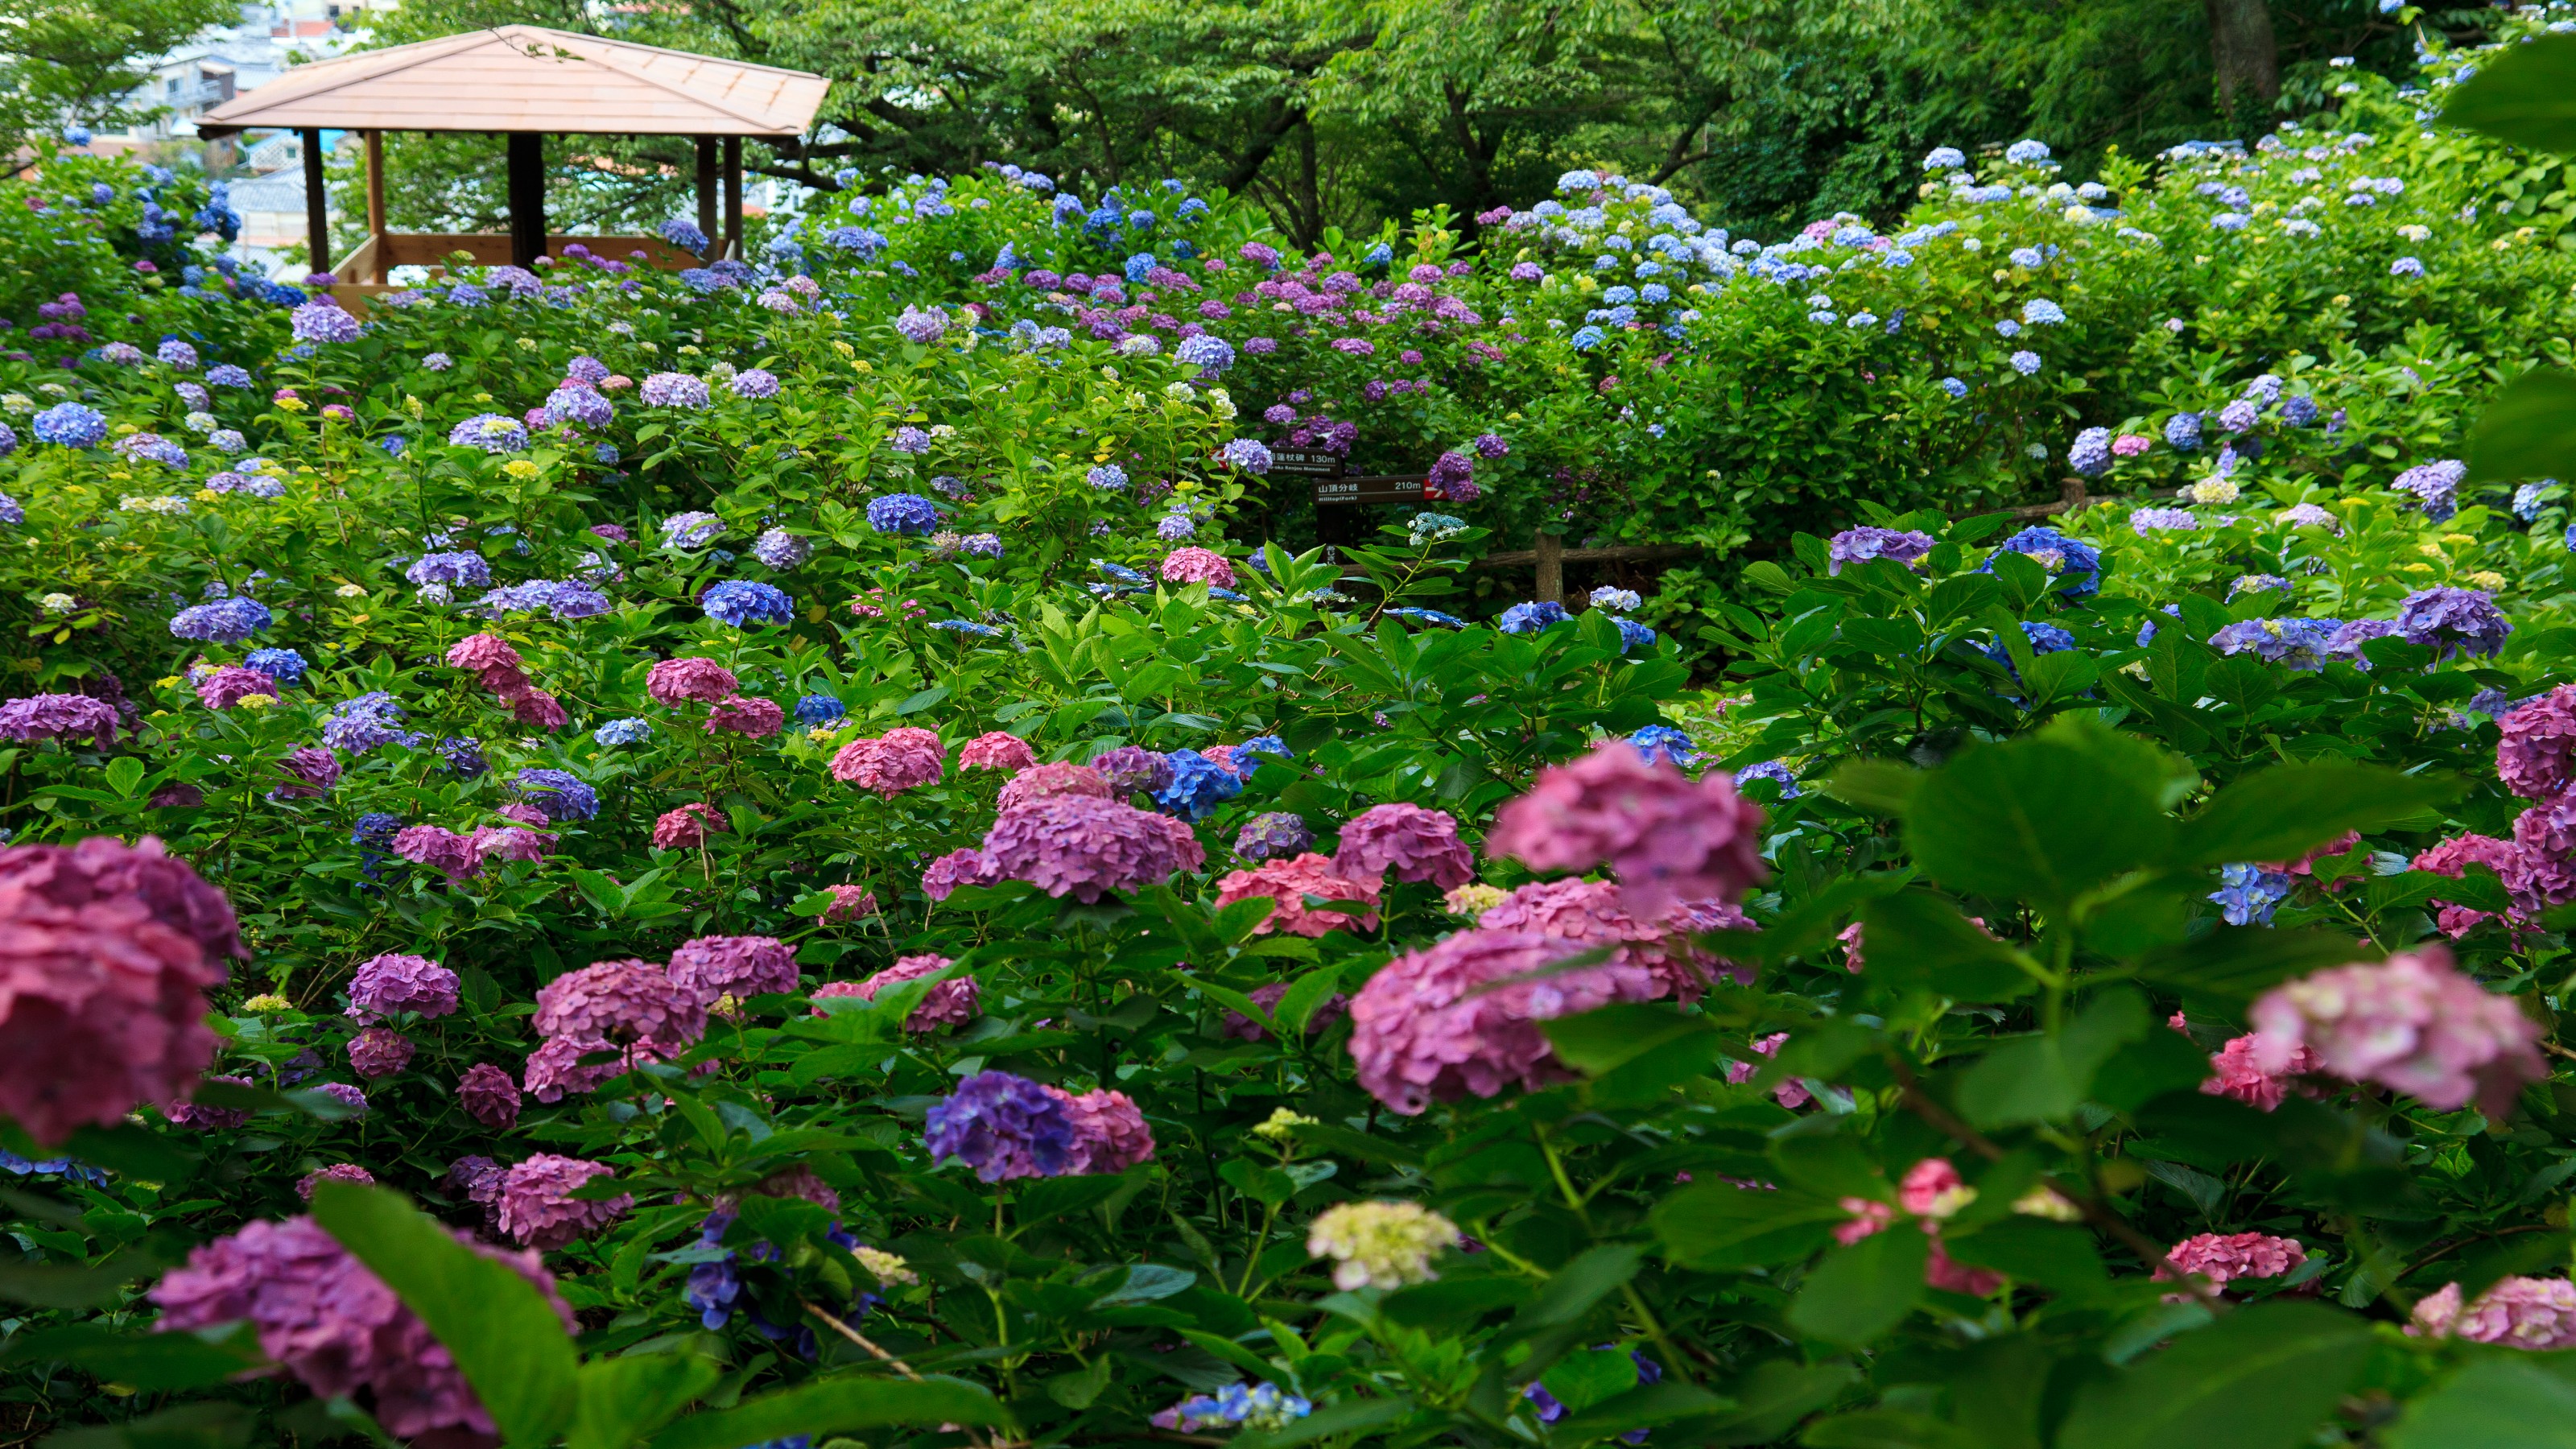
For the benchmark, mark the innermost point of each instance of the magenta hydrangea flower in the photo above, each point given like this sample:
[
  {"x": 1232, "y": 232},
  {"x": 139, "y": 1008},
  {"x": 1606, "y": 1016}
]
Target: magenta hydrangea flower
[
  {"x": 751, "y": 717},
  {"x": 953, "y": 1002},
  {"x": 1109, "y": 1131},
  {"x": 439, "y": 848},
  {"x": 2235, "y": 1073},
  {"x": 2518, "y": 1312},
  {"x": 395, "y": 982},
  {"x": 59, "y": 717},
  {"x": 337, "y": 1172},
  {"x": 489, "y": 1096},
  {"x": 620, "y": 1004},
  {"x": 1004, "y": 1127},
  {"x": 310, "y": 771},
  {"x": 2532, "y": 758},
  {"x": 536, "y": 1205},
  {"x": 1291, "y": 884},
  {"x": 1197, "y": 566},
  {"x": 1078, "y": 846},
  {"x": 675, "y": 682},
  {"x": 1407, "y": 841},
  {"x": 346, "y": 1095},
  {"x": 202, "y": 1118},
  {"x": 1036, "y": 782},
  {"x": 335, "y": 1326},
  {"x": 998, "y": 750},
  {"x": 849, "y": 903},
  {"x": 1457, "y": 1019},
  {"x": 231, "y": 684},
  {"x": 379, "y": 1051},
  {"x": 1669, "y": 837},
  {"x": 106, "y": 953},
  {"x": 2222, "y": 1258},
  {"x": 688, "y": 826},
  {"x": 1590, "y": 913},
  {"x": 2411, "y": 1023},
  {"x": 509, "y": 842},
  {"x": 901, "y": 759},
  {"x": 736, "y": 966},
  {"x": 956, "y": 868},
  {"x": 2453, "y": 858}
]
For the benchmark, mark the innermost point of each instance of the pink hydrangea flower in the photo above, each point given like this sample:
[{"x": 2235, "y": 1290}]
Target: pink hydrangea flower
[
  {"x": 688, "y": 827},
  {"x": 1109, "y": 1132},
  {"x": 956, "y": 868},
  {"x": 2532, "y": 1313},
  {"x": 900, "y": 760},
  {"x": 335, "y": 1326},
  {"x": 2306, "y": 864},
  {"x": 2453, "y": 858},
  {"x": 480, "y": 652},
  {"x": 2222, "y": 1258},
  {"x": 1943, "y": 1272},
  {"x": 619, "y": 1003},
  {"x": 521, "y": 812},
  {"x": 675, "y": 682},
  {"x": 1078, "y": 846},
  {"x": 798, "y": 1181},
  {"x": 337, "y": 1172},
  {"x": 2411, "y": 1023},
  {"x": 2532, "y": 757},
  {"x": 232, "y": 684},
  {"x": 998, "y": 750},
  {"x": 1290, "y": 883},
  {"x": 536, "y": 1205},
  {"x": 1408, "y": 841},
  {"x": 953, "y": 1002},
  {"x": 1036, "y": 782},
  {"x": 1790, "y": 1092},
  {"x": 751, "y": 717},
  {"x": 201, "y": 1118},
  {"x": 379, "y": 1051},
  {"x": 1589, "y": 913},
  {"x": 849, "y": 903},
  {"x": 106, "y": 953},
  {"x": 1197, "y": 566},
  {"x": 441, "y": 849},
  {"x": 539, "y": 710},
  {"x": 395, "y": 982},
  {"x": 1850, "y": 937},
  {"x": 59, "y": 717},
  {"x": 1456, "y": 1019},
  {"x": 2237, "y": 1075},
  {"x": 309, "y": 770},
  {"x": 489, "y": 1096},
  {"x": 1669, "y": 837},
  {"x": 509, "y": 842},
  {"x": 1868, "y": 1216},
  {"x": 736, "y": 966},
  {"x": 556, "y": 1067}
]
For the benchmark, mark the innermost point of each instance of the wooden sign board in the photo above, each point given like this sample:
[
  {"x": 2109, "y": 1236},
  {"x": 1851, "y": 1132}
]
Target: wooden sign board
[
  {"x": 1409, "y": 488},
  {"x": 1306, "y": 462}
]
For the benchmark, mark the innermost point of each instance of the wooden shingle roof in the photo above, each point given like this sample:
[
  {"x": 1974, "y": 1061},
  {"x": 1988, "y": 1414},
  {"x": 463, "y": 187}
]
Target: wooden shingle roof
[{"x": 528, "y": 78}]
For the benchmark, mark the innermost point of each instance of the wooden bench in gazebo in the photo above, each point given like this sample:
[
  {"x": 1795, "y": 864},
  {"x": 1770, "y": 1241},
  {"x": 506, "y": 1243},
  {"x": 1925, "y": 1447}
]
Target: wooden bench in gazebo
[{"x": 524, "y": 82}]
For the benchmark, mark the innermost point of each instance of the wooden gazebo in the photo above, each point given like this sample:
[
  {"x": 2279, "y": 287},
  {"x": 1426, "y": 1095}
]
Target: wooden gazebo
[{"x": 525, "y": 82}]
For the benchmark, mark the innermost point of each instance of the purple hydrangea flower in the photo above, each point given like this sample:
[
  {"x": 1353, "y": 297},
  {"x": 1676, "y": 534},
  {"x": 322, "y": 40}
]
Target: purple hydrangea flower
[
  {"x": 225, "y": 621},
  {"x": 1852, "y": 545},
  {"x": 1247, "y": 454},
  {"x": 754, "y": 383},
  {"x": 2453, "y": 621},
  {"x": 781, "y": 550},
  {"x": 673, "y": 390},
  {"x": 578, "y": 405},
  {"x": 1003, "y": 1127},
  {"x": 491, "y": 432},
  {"x": 323, "y": 322},
  {"x": 1273, "y": 835},
  {"x": 922, "y": 326},
  {"x": 2091, "y": 455}
]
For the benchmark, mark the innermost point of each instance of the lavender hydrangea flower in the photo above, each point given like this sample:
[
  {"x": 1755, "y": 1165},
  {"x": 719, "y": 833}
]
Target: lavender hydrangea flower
[
  {"x": 672, "y": 390},
  {"x": 2437, "y": 483},
  {"x": 1247, "y": 454},
  {"x": 2077, "y": 564},
  {"x": 782, "y": 550},
  {"x": 561, "y": 795},
  {"x": 225, "y": 621},
  {"x": 1780, "y": 774},
  {"x": 1002, "y": 1126},
  {"x": 922, "y": 326},
  {"x": 1273, "y": 835},
  {"x": 1130, "y": 768},
  {"x": 579, "y": 405},
  {"x": 2091, "y": 454},
  {"x": 2182, "y": 430},
  {"x": 2025, "y": 362},
  {"x": 2298, "y": 644},
  {"x": 909, "y": 439},
  {"x": 753, "y": 383},
  {"x": 1106, "y": 477},
  {"x": 2453, "y": 621},
  {"x": 691, "y": 530},
  {"x": 490, "y": 432},
  {"x": 70, "y": 425},
  {"x": 1853, "y": 545},
  {"x": 323, "y": 322},
  {"x": 466, "y": 570}
]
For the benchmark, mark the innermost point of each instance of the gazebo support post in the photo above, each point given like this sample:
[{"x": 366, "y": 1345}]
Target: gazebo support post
[
  {"x": 732, "y": 196},
  {"x": 375, "y": 206},
  {"x": 317, "y": 202},
  {"x": 527, "y": 188},
  {"x": 707, "y": 195}
]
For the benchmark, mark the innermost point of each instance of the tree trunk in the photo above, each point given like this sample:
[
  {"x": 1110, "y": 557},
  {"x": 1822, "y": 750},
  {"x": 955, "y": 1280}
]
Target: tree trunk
[{"x": 2242, "y": 52}]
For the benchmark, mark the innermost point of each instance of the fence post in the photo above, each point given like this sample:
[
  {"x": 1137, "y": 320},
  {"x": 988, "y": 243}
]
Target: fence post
[{"x": 1551, "y": 567}]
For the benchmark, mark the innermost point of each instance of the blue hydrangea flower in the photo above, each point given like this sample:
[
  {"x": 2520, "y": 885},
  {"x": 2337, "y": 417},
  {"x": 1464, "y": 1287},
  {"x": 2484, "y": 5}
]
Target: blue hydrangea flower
[
  {"x": 1663, "y": 744},
  {"x": 1107, "y": 476},
  {"x": 742, "y": 603},
  {"x": 1416, "y": 615},
  {"x": 1954, "y": 387},
  {"x": 623, "y": 732},
  {"x": 2077, "y": 564},
  {"x": 1247, "y": 754},
  {"x": 1586, "y": 338},
  {"x": 1775, "y": 772},
  {"x": 817, "y": 709},
  {"x": 1002, "y": 1126},
  {"x": 2026, "y": 363},
  {"x": 691, "y": 530},
  {"x": 1532, "y": 617},
  {"x": 1634, "y": 636},
  {"x": 467, "y": 570},
  {"x": 902, "y": 513},
  {"x": 368, "y": 722},
  {"x": 1198, "y": 786},
  {"x": 70, "y": 425},
  {"x": 1247, "y": 454},
  {"x": 562, "y": 796},
  {"x": 2248, "y": 894},
  {"x": 283, "y": 665},
  {"x": 225, "y": 621},
  {"x": 464, "y": 755}
]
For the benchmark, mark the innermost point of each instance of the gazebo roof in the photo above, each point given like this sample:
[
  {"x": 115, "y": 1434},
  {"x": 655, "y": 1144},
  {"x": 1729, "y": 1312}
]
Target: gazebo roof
[{"x": 528, "y": 78}]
